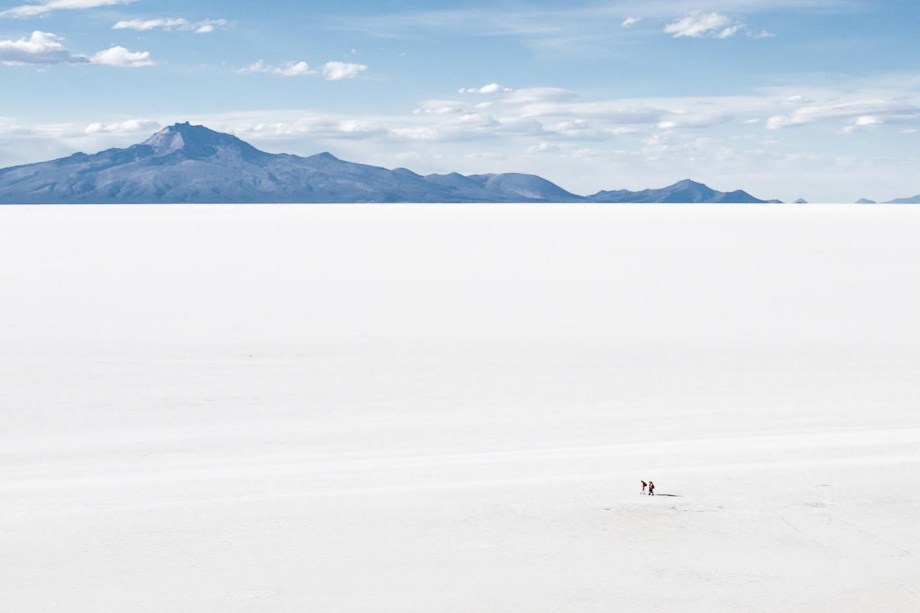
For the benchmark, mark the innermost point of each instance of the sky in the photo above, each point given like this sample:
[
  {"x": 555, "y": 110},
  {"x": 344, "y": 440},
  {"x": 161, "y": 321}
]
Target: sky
[{"x": 814, "y": 99}]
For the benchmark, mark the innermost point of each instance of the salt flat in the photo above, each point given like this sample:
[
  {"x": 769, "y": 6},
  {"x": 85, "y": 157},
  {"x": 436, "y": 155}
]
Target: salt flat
[{"x": 449, "y": 408}]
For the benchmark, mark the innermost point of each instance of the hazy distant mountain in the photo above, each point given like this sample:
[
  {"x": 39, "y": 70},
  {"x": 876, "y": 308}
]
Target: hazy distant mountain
[
  {"x": 186, "y": 163},
  {"x": 508, "y": 187},
  {"x": 911, "y": 200},
  {"x": 685, "y": 191},
  {"x": 865, "y": 201}
]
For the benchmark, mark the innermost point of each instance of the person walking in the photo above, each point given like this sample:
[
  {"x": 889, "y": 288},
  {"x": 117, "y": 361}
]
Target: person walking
[
  {"x": 644, "y": 484},
  {"x": 651, "y": 488}
]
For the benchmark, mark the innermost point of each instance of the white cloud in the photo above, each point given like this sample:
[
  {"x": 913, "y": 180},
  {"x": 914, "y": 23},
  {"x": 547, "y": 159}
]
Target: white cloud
[
  {"x": 331, "y": 71},
  {"x": 129, "y": 126},
  {"x": 39, "y": 48},
  {"x": 440, "y": 107},
  {"x": 336, "y": 71},
  {"x": 255, "y": 67},
  {"x": 491, "y": 88},
  {"x": 291, "y": 69},
  {"x": 868, "y": 120},
  {"x": 122, "y": 58},
  {"x": 294, "y": 69},
  {"x": 682, "y": 119},
  {"x": 46, "y": 6},
  {"x": 142, "y": 25},
  {"x": 700, "y": 25},
  {"x": 781, "y": 121},
  {"x": 169, "y": 24},
  {"x": 856, "y": 113},
  {"x": 537, "y": 95},
  {"x": 728, "y": 32},
  {"x": 209, "y": 25},
  {"x": 47, "y": 48},
  {"x": 629, "y": 22},
  {"x": 618, "y": 112}
]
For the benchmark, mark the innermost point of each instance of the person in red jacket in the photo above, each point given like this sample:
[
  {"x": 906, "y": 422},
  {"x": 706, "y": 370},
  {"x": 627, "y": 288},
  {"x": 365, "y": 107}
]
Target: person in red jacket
[
  {"x": 651, "y": 488},
  {"x": 643, "y": 486}
]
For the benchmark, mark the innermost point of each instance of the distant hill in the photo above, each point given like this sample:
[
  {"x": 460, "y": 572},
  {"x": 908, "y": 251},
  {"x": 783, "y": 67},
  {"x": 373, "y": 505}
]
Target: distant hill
[
  {"x": 911, "y": 200},
  {"x": 193, "y": 164},
  {"x": 509, "y": 186},
  {"x": 685, "y": 191},
  {"x": 865, "y": 201}
]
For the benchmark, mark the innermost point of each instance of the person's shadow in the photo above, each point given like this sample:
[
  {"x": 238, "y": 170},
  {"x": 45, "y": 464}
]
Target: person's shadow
[{"x": 669, "y": 495}]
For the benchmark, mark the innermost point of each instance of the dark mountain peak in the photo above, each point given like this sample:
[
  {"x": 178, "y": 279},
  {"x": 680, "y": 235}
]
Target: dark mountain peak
[
  {"x": 196, "y": 142},
  {"x": 689, "y": 184}
]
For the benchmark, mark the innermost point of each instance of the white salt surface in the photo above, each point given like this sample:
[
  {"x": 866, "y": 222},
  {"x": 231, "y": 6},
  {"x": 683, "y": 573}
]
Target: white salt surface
[{"x": 449, "y": 408}]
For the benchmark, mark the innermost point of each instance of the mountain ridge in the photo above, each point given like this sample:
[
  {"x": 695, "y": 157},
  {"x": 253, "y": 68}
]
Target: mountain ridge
[
  {"x": 909, "y": 200},
  {"x": 186, "y": 163}
]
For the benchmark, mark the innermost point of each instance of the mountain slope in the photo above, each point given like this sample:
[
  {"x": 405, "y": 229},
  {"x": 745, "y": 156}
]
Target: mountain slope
[
  {"x": 685, "y": 191},
  {"x": 911, "y": 200}
]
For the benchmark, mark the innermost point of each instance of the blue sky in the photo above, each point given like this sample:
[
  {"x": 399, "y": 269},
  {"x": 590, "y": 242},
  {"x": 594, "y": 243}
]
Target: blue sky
[{"x": 786, "y": 98}]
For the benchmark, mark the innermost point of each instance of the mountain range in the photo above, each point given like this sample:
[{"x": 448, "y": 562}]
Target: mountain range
[{"x": 185, "y": 163}]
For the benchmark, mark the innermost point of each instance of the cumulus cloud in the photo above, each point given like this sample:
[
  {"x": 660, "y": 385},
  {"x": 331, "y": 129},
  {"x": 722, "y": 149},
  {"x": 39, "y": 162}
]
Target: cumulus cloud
[
  {"x": 491, "y": 88},
  {"x": 699, "y": 25},
  {"x": 336, "y": 71},
  {"x": 48, "y": 48},
  {"x": 39, "y": 48},
  {"x": 120, "y": 57},
  {"x": 46, "y": 6},
  {"x": 629, "y": 22},
  {"x": 291, "y": 69}
]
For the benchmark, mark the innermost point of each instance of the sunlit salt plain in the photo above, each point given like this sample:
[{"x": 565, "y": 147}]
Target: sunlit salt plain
[{"x": 433, "y": 409}]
